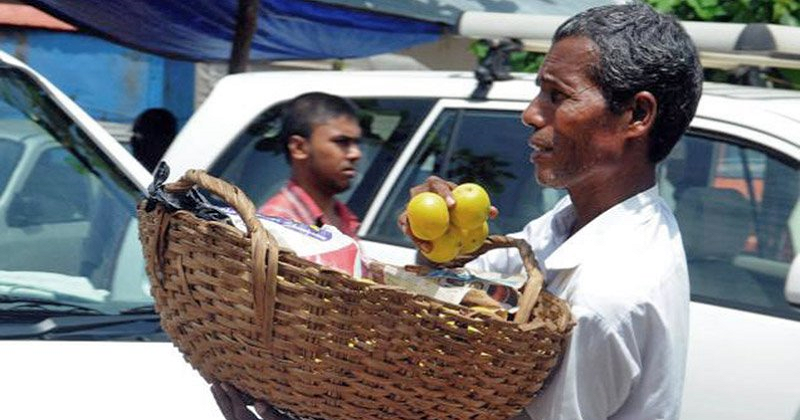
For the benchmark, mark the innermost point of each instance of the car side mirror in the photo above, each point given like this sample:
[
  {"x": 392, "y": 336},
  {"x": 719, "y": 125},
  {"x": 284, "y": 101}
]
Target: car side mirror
[
  {"x": 23, "y": 211},
  {"x": 792, "y": 288}
]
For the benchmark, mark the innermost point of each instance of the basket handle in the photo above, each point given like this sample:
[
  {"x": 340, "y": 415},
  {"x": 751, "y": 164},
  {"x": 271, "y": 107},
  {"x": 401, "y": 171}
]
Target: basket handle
[
  {"x": 533, "y": 287},
  {"x": 263, "y": 245}
]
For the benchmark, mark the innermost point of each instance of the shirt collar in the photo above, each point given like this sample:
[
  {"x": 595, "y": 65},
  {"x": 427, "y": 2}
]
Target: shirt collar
[
  {"x": 634, "y": 210},
  {"x": 349, "y": 219},
  {"x": 306, "y": 202}
]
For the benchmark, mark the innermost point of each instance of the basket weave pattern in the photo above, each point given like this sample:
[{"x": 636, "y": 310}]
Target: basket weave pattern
[{"x": 320, "y": 343}]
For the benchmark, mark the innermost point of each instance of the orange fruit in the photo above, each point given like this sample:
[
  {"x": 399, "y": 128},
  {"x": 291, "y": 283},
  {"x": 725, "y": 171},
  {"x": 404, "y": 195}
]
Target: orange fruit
[
  {"x": 472, "y": 206},
  {"x": 428, "y": 216},
  {"x": 445, "y": 247},
  {"x": 472, "y": 239}
]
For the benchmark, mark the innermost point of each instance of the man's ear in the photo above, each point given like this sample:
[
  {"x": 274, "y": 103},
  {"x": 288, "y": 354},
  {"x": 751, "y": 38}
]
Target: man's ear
[
  {"x": 298, "y": 147},
  {"x": 643, "y": 111}
]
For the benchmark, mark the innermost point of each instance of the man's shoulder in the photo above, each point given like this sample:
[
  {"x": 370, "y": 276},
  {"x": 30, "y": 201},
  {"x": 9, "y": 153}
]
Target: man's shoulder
[
  {"x": 633, "y": 278},
  {"x": 278, "y": 200},
  {"x": 279, "y": 205}
]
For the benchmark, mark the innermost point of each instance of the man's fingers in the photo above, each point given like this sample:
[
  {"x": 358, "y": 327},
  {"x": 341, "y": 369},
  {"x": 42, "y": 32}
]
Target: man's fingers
[
  {"x": 266, "y": 412},
  {"x": 223, "y": 401},
  {"x": 443, "y": 188},
  {"x": 493, "y": 212},
  {"x": 436, "y": 185},
  {"x": 402, "y": 223},
  {"x": 417, "y": 190},
  {"x": 424, "y": 246},
  {"x": 237, "y": 405}
]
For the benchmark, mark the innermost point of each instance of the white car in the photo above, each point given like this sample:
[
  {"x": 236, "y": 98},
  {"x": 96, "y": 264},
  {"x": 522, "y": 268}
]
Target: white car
[
  {"x": 733, "y": 181},
  {"x": 78, "y": 336}
]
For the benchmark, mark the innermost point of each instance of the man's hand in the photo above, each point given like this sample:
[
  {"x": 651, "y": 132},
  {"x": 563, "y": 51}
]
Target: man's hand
[
  {"x": 443, "y": 188},
  {"x": 232, "y": 405}
]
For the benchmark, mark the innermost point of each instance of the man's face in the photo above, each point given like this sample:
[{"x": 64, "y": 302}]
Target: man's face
[
  {"x": 577, "y": 137},
  {"x": 333, "y": 153}
]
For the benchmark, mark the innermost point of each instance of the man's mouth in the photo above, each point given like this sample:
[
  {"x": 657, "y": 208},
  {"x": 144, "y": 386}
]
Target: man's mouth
[
  {"x": 541, "y": 150},
  {"x": 350, "y": 172}
]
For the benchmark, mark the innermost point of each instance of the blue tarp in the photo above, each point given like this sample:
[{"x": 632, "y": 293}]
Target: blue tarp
[
  {"x": 449, "y": 11},
  {"x": 202, "y": 30}
]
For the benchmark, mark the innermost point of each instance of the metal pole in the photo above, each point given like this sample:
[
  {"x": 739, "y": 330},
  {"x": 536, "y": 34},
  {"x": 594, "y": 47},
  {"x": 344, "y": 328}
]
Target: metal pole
[{"x": 246, "y": 22}]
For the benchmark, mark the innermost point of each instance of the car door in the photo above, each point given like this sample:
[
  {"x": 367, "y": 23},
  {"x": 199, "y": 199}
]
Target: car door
[
  {"x": 75, "y": 328},
  {"x": 742, "y": 361},
  {"x": 736, "y": 201}
]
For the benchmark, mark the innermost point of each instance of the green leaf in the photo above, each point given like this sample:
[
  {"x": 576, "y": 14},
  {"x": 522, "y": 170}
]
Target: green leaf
[
  {"x": 706, "y": 9},
  {"x": 479, "y": 48},
  {"x": 667, "y": 6},
  {"x": 790, "y": 20}
]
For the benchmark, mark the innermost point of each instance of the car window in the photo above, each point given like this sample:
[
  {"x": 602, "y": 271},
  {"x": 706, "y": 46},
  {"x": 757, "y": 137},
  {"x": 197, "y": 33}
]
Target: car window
[
  {"x": 255, "y": 160},
  {"x": 54, "y": 191},
  {"x": 472, "y": 145},
  {"x": 734, "y": 204},
  {"x": 65, "y": 209},
  {"x": 10, "y": 152}
]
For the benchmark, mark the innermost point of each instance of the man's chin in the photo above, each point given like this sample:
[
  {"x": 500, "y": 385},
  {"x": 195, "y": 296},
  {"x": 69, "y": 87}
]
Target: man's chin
[
  {"x": 341, "y": 187},
  {"x": 548, "y": 179}
]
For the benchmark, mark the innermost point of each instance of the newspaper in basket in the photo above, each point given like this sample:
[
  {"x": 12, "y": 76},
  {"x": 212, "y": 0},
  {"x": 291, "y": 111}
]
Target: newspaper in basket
[{"x": 319, "y": 343}]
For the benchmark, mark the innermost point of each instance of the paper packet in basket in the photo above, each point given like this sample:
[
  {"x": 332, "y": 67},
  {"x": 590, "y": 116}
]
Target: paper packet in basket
[
  {"x": 324, "y": 245},
  {"x": 454, "y": 285}
]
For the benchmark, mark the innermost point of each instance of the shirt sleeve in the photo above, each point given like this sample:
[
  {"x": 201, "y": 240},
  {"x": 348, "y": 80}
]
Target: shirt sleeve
[{"x": 597, "y": 372}]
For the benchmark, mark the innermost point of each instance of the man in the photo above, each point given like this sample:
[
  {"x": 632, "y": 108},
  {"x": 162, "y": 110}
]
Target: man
[
  {"x": 320, "y": 134},
  {"x": 153, "y": 132},
  {"x": 618, "y": 88}
]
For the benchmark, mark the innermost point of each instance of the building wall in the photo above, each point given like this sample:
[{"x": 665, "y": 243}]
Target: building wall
[{"x": 112, "y": 83}]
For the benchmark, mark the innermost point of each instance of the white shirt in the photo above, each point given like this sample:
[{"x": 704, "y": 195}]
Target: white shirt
[{"x": 625, "y": 278}]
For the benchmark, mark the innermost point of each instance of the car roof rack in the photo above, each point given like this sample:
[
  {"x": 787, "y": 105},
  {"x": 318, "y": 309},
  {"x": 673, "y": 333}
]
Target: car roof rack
[
  {"x": 721, "y": 45},
  {"x": 495, "y": 65}
]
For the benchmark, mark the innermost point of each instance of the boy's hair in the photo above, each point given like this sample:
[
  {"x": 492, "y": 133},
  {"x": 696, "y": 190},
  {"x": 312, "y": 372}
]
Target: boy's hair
[{"x": 300, "y": 115}]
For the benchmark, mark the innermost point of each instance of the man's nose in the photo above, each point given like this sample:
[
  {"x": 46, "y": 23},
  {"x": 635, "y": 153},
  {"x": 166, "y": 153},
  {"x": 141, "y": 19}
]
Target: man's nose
[
  {"x": 532, "y": 116},
  {"x": 354, "y": 152}
]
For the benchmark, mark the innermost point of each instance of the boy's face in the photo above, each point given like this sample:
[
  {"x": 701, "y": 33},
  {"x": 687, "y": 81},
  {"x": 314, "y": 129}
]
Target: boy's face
[{"x": 333, "y": 152}]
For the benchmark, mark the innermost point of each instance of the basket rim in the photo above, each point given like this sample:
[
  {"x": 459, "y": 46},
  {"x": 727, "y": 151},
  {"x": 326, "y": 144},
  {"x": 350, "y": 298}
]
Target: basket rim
[{"x": 452, "y": 308}]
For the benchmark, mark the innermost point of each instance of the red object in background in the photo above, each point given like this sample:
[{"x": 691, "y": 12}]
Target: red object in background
[{"x": 29, "y": 16}]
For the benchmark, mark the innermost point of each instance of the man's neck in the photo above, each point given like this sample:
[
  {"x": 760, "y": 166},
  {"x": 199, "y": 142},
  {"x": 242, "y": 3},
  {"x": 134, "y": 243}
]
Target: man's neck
[
  {"x": 325, "y": 201},
  {"x": 594, "y": 197}
]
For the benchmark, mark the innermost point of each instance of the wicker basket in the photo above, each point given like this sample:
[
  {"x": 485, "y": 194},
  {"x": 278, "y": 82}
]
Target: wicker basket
[{"x": 317, "y": 342}]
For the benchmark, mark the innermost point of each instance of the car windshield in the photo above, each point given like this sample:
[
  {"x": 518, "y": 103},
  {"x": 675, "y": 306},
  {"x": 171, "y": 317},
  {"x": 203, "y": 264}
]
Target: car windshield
[{"x": 68, "y": 233}]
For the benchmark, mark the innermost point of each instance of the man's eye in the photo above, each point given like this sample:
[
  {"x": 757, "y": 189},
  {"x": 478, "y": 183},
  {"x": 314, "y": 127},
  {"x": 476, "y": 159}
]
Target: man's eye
[
  {"x": 556, "y": 96},
  {"x": 346, "y": 141}
]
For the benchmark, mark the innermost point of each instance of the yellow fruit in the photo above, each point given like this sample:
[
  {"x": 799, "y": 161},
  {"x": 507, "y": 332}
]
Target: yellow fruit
[
  {"x": 472, "y": 239},
  {"x": 472, "y": 206},
  {"x": 428, "y": 216},
  {"x": 445, "y": 247}
]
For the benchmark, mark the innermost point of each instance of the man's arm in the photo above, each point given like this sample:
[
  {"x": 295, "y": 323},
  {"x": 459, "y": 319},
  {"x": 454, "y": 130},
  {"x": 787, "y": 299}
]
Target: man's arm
[{"x": 598, "y": 370}]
